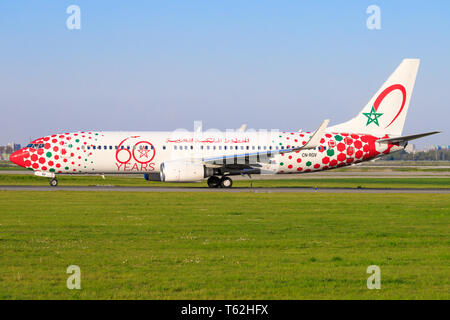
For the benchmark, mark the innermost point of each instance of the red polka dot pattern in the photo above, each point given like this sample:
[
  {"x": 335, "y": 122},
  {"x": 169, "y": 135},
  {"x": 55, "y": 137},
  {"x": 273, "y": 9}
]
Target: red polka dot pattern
[
  {"x": 335, "y": 150},
  {"x": 54, "y": 155}
]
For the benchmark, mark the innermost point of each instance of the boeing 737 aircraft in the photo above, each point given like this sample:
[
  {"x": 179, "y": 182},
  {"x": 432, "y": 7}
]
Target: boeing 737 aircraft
[{"x": 182, "y": 156}]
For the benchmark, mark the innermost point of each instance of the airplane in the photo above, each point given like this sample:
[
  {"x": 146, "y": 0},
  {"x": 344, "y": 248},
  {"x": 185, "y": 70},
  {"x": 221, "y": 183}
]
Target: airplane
[{"x": 182, "y": 156}]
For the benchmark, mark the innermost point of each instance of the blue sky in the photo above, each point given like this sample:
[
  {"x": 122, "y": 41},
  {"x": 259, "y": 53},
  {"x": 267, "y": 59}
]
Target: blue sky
[{"x": 160, "y": 65}]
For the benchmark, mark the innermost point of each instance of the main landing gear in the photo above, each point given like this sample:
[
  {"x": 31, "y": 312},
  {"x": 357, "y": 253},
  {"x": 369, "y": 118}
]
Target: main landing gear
[
  {"x": 53, "y": 182},
  {"x": 216, "y": 182}
]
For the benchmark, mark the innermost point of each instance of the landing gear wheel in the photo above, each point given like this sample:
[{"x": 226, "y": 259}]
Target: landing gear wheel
[
  {"x": 226, "y": 182},
  {"x": 53, "y": 182},
  {"x": 214, "y": 182}
]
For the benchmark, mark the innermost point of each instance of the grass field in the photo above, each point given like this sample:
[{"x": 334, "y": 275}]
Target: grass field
[
  {"x": 16, "y": 168},
  {"x": 223, "y": 246},
  {"x": 362, "y": 182}
]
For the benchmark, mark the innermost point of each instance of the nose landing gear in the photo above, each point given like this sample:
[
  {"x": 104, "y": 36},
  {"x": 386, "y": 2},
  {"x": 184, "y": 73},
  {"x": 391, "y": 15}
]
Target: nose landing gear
[{"x": 216, "y": 182}]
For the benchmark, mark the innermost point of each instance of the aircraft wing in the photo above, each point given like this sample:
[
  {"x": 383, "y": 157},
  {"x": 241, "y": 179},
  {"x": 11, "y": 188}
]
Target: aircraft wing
[
  {"x": 407, "y": 138},
  {"x": 256, "y": 157}
]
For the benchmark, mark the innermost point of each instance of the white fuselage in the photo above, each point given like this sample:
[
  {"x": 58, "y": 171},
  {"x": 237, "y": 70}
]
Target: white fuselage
[{"x": 144, "y": 152}]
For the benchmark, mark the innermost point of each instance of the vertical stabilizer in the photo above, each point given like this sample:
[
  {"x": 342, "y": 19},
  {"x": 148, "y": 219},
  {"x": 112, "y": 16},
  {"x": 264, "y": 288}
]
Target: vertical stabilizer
[{"x": 386, "y": 111}]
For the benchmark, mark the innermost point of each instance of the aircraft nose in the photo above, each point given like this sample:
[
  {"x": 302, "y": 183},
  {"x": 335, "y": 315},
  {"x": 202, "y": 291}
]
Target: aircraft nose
[{"x": 19, "y": 157}]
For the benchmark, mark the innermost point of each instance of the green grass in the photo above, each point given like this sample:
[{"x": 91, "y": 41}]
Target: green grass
[
  {"x": 364, "y": 182},
  {"x": 223, "y": 245},
  {"x": 12, "y": 168}
]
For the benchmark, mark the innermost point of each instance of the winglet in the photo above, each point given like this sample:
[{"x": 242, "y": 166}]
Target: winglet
[{"x": 315, "y": 138}]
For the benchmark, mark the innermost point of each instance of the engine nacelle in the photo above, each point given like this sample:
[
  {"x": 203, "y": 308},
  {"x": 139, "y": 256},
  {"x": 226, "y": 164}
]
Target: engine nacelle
[{"x": 182, "y": 171}]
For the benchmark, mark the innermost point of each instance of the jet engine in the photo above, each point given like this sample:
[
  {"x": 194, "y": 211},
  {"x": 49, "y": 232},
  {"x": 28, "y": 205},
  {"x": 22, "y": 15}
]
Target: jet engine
[{"x": 183, "y": 171}]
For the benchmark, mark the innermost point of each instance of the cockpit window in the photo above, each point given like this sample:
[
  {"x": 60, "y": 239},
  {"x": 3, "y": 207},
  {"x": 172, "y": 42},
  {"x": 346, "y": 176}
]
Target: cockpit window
[{"x": 35, "y": 145}]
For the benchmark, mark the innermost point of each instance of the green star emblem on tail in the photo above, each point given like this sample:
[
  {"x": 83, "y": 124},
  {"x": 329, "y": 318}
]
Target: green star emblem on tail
[{"x": 372, "y": 116}]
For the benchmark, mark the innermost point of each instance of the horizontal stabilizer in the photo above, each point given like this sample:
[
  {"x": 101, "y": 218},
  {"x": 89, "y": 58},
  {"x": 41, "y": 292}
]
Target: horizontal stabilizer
[{"x": 407, "y": 138}]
